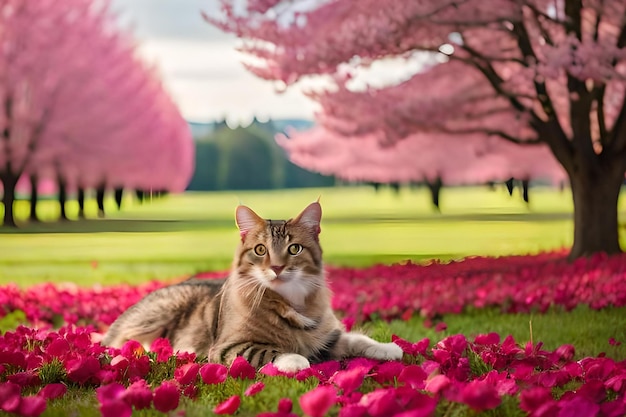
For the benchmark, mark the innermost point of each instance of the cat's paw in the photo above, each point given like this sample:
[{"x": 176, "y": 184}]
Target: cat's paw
[
  {"x": 385, "y": 352},
  {"x": 291, "y": 362}
]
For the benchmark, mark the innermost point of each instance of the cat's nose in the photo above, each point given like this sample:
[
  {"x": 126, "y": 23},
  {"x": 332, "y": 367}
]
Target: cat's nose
[{"x": 277, "y": 269}]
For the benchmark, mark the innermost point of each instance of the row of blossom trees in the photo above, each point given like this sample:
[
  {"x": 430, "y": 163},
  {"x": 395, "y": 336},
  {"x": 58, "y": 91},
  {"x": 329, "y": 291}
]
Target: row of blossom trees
[
  {"x": 77, "y": 106},
  {"x": 524, "y": 71},
  {"x": 419, "y": 157}
]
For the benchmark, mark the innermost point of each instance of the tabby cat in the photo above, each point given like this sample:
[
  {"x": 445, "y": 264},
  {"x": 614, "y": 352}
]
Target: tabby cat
[{"x": 273, "y": 307}]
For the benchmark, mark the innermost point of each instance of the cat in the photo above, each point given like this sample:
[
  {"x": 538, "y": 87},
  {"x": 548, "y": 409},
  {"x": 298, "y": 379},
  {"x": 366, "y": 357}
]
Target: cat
[{"x": 274, "y": 306}]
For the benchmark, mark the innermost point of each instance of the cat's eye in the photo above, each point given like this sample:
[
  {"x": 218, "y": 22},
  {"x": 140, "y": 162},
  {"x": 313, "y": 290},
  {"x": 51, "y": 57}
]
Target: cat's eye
[
  {"x": 260, "y": 250},
  {"x": 294, "y": 249}
]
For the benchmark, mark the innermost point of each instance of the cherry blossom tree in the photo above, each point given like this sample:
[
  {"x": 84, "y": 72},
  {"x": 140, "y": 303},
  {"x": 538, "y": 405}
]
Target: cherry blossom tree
[
  {"x": 525, "y": 71},
  {"x": 79, "y": 108},
  {"x": 430, "y": 158}
]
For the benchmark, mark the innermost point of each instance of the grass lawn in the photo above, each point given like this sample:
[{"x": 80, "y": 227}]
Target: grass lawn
[{"x": 193, "y": 232}]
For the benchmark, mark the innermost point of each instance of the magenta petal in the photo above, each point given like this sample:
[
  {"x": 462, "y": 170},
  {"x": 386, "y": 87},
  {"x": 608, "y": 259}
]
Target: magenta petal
[
  {"x": 254, "y": 388},
  {"x": 270, "y": 370},
  {"x": 139, "y": 395},
  {"x": 82, "y": 370},
  {"x": 187, "y": 373},
  {"x": 285, "y": 405},
  {"x": 413, "y": 376},
  {"x": 166, "y": 396},
  {"x": 213, "y": 373},
  {"x": 240, "y": 368},
  {"x": 229, "y": 406},
  {"x": 349, "y": 380},
  {"x": 58, "y": 348},
  {"x": 533, "y": 398},
  {"x": 480, "y": 395},
  {"x": 437, "y": 384},
  {"x": 381, "y": 403},
  {"x": 387, "y": 371},
  {"x": 353, "y": 410},
  {"x": 9, "y": 396},
  {"x": 132, "y": 349},
  {"x": 162, "y": 348},
  {"x": 116, "y": 408},
  {"x": 487, "y": 339},
  {"x": 32, "y": 406},
  {"x": 109, "y": 392},
  {"x": 316, "y": 402},
  {"x": 52, "y": 391}
]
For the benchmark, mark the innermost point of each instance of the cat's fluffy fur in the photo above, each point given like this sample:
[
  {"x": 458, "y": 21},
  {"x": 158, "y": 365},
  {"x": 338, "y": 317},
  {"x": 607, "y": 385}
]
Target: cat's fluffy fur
[{"x": 273, "y": 307}]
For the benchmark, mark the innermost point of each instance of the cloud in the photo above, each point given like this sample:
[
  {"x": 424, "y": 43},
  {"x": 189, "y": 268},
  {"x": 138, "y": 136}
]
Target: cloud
[{"x": 200, "y": 66}]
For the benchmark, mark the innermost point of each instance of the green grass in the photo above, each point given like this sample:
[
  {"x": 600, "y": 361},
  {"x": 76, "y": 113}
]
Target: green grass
[{"x": 183, "y": 234}]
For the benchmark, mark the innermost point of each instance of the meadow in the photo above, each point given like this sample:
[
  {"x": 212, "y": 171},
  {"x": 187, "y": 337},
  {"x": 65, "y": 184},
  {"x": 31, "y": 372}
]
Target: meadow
[
  {"x": 520, "y": 335},
  {"x": 193, "y": 232}
]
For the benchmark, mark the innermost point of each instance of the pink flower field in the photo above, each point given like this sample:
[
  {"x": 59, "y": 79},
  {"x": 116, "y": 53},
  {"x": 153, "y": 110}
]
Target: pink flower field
[{"x": 40, "y": 363}]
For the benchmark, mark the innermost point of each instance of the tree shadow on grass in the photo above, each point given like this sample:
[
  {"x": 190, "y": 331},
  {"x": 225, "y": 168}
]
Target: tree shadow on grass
[
  {"x": 178, "y": 225},
  {"x": 118, "y": 226}
]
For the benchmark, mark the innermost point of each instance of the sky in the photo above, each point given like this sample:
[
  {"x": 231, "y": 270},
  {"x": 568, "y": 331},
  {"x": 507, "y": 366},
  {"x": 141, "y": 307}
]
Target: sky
[{"x": 199, "y": 65}]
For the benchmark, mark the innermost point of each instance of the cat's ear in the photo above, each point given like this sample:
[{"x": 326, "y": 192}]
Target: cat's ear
[
  {"x": 246, "y": 220},
  {"x": 311, "y": 217}
]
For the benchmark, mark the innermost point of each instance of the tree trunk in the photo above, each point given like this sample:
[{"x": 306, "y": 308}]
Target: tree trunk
[
  {"x": 435, "y": 190},
  {"x": 34, "y": 198},
  {"x": 81, "y": 202},
  {"x": 141, "y": 195},
  {"x": 525, "y": 184},
  {"x": 595, "y": 197},
  {"x": 100, "y": 200},
  {"x": 510, "y": 185},
  {"x": 119, "y": 193},
  {"x": 62, "y": 199},
  {"x": 9, "y": 181}
]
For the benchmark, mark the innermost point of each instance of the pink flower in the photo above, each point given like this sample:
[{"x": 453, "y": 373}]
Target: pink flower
[
  {"x": 409, "y": 348},
  {"x": 187, "y": 373},
  {"x": 32, "y": 406},
  {"x": 240, "y": 368},
  {"x": 132, "y": 348},
  {"x": 116, "y": 409},
  {"x": 9, "y": 396},
  {"x": 381, "y": 403},
  {"x": 614, "y": 342},
  {"x": 480, "y": 395},
  {"x": 487, "y": 339},
  {"x": 52, "y": 391},
  {"x": 441, "y": 326},
  {"x": 254, "y": 389},
  {"x": 166, "y": 396},
  {"x": 82, "y": 370},
  {"x": 139, "y": 394},
  {"x": 534, "y": 398},
  {"x": 387, "y": 371},
  {"x": 413, "y": 376},
  {"x": 213, "y": 373},
  {"x": 318, "y": 401},
  {"x": 58, "y": 348},
  {"x": 437, "y": 383},
  {"x": 112, "y": 403},
  {"x": 162, "y": 348},
  {"x": 349, "y": 380},
  {"x": 229, "y": 406},
  {"x": 285, "y": 405},
  {"x": 353, "y": 410}
]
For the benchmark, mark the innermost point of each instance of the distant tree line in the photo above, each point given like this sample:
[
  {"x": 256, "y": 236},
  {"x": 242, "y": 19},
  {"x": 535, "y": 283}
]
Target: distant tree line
[{"x": 247, "y": 158}]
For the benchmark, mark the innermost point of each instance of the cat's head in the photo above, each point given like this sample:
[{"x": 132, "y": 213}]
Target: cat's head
[{"x": 282, "y": 255}]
